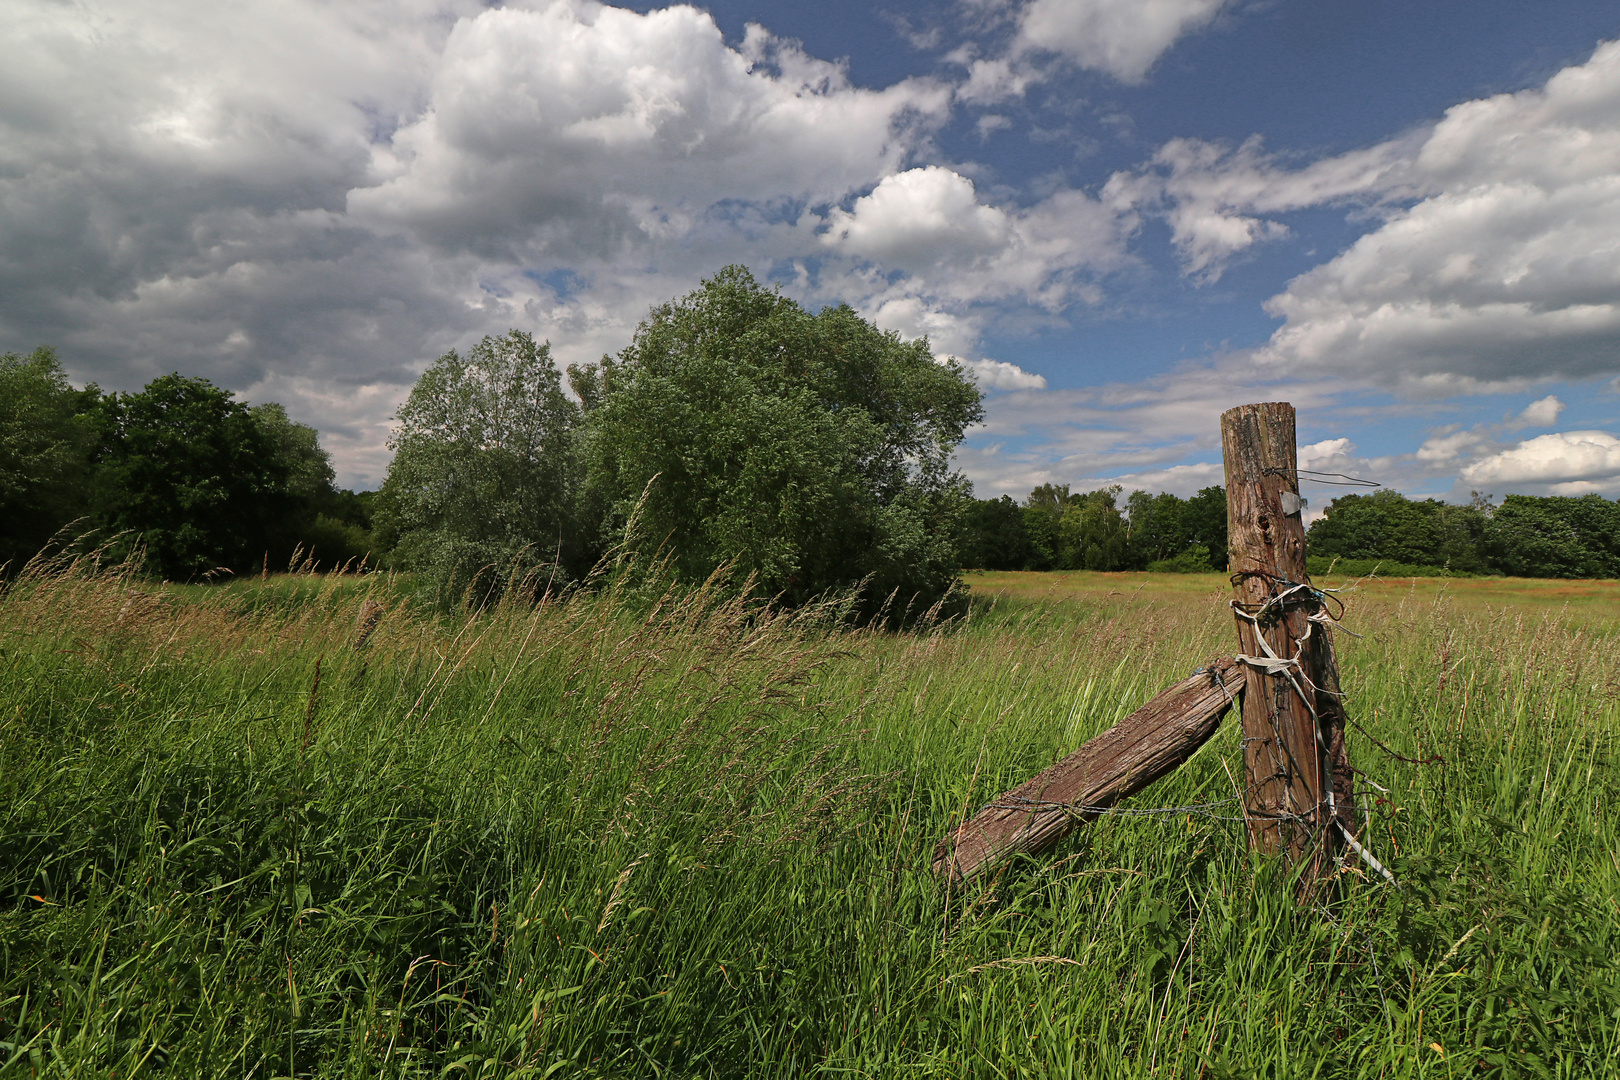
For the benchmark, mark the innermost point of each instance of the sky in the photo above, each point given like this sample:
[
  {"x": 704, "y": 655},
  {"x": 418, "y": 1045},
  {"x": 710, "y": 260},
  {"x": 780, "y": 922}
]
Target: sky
[{"x": 1121, "y": 216}]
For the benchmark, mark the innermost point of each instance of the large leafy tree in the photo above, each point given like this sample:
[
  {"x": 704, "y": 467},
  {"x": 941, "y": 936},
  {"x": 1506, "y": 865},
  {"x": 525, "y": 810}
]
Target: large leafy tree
[
  {"x": 44, "y": 447},
  {"x": 188, "y": 473},
  {"x": 296, "y": 452},
  {"x": 1388, "y": 525},
  {"x": 995, "y": 535},
  {"x": 485, "y": 470},
  {"x": 1204, "y": 518},
  {"x": 1169, "y": 532},
  {"x": 1555, "y": 536},
  {"x": 1091, "y": 533},
  {"x": 811, "y": 450},
  {"x": 1043, "y": 510},
  {"x": 327, "y": 527},
  {"x": 1156, "y": 529}
]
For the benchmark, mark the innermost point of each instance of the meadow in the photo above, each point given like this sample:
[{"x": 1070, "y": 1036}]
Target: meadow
[{"x": 308, "y": 827}]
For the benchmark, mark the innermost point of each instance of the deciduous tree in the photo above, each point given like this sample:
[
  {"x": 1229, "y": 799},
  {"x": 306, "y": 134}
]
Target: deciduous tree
[
  {"x": 485, "y": 470},
  {"x": 811, "y": 450},
  {"x": 185, "y": 472},
  {"x": 44, "y": 448}
]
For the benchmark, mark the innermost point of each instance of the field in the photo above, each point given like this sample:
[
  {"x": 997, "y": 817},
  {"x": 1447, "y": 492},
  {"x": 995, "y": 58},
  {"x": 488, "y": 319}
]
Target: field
[{"x": 302, "y": 828}]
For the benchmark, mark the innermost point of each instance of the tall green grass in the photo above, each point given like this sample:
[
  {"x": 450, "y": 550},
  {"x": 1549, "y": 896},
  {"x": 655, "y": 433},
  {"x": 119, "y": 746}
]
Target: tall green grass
[{"x": 664, "y": 832}]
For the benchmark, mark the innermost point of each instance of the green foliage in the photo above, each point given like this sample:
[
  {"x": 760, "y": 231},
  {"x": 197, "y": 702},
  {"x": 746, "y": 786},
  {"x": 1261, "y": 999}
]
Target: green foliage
[
  {"x": 1050, "y": 499},
  {"x": 335, "y": 529},
  {"x": 1043, "y": 510},
  {"x": 44, "y": 466},
  {"x": 1194, "y": 559},
  {"x": 1091, "y": 532},
  {"x": 1075, "y": 531},
  {"x": 1061, "y": 530},
  {"x": 190, "y": 476},
  {"x": 1156, "y": 531},
  {"x": 1387, "y": 525},
  {"x": 1203, "y": 517},
  {"x": 588, "y": 839},
  {"x": 1171, "y": 534},
  {"x": 480, "y": 492},
  {"x": 995, "y": 535},
  {"x": 328, "y": 527},
  {"x": 810, "y": 451},
  {"x": 295, "y": 451},
  {"x": 1527, "y": 536},
  {"x": 1555, "y": 536},
  {"x": 1042, "y": 529}
]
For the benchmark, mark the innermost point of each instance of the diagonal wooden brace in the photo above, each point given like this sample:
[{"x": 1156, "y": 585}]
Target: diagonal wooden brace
[{"x": 1151, "y": 742}]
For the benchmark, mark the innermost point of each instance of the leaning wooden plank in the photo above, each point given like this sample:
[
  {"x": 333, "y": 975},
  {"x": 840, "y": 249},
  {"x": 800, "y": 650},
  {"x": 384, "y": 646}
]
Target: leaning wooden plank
[{"x": 1123, "y": 760}]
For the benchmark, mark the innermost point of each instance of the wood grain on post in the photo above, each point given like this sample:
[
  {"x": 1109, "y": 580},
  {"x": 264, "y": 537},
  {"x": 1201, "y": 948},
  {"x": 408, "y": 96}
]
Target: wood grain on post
[
  {"x": 1289, "y": 763},
  {"x": 1123, "y": 760}
]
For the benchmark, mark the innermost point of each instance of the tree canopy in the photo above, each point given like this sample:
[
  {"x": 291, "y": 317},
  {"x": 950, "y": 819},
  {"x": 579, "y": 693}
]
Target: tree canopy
[
  {"x": 181, "y": 471},
  {"x": 44, "y": 447},
  {"x": 484, "y": 476},
  {"x": 1554, "y": 536},
  {"x": 1387, "y": 525},
  {"x": 1057, "y": 529},
  {"x": 196, "y": 478},
  {"x": 810, "y": 450}
]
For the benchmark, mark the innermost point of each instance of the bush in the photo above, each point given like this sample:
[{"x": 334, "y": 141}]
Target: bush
[
  {"x": 1195, "y": 560},
  {"x": 1319, "y": 565}
]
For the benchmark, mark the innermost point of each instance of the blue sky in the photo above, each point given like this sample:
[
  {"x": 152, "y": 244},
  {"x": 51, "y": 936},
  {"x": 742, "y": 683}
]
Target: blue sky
[{"x": 1122, "y": 216}]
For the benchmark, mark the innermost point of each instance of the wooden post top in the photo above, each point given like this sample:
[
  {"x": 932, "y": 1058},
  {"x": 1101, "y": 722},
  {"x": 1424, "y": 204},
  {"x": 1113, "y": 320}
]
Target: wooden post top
[{"x": 1265, "y": 525}]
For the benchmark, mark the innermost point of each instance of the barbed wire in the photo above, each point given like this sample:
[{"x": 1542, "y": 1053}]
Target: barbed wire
[
  {"x": 1284, "y": 594},
  {"x": 1016, "y": 802},
  {"x": 1345, "y": 479}
]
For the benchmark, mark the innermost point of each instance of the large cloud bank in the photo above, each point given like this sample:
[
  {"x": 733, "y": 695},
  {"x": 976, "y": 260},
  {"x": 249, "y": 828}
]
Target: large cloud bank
[
  {"x": 309, "y": 202},
  {"x": 1562, "y": 463},
  {"x": 1495, "y": 261}
]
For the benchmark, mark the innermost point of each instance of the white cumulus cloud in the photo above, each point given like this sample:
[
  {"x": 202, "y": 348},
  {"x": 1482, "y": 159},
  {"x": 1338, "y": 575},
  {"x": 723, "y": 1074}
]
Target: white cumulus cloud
[
  {"x": 960, "y": 253},
  {"x": 1505, "y": 273},
  {"x": 919, "y": 218},
  {"x": 1000, "y": 375},
  {"x": 1120, "y": 37},
  {"x": 1563, "y": 463},
  {"x": 580, "y": 130},
  {"x": 1541, "y": 413}
]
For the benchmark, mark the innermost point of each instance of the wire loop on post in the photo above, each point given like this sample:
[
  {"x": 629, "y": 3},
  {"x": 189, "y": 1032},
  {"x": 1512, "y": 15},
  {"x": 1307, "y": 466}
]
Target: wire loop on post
[{"x": 1287, "y": 593}]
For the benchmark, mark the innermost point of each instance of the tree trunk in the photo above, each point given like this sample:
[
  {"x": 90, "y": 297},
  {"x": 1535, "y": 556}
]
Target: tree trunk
[
  {"x": 1296, "y": 772},
  {"x": 1123, "y": 760}
]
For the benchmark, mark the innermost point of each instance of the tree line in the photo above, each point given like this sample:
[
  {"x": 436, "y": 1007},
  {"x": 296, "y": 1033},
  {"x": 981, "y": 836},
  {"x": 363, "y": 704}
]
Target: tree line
[
  {"x": 805, "y": 452},
  {"x": 1549, "y": 536},
  {"x": 1523, "y": 536},
  {"x": 1056, "y": 529},
  {"x": 802, "y": 452},
  {"x": 181, "y": 471}
]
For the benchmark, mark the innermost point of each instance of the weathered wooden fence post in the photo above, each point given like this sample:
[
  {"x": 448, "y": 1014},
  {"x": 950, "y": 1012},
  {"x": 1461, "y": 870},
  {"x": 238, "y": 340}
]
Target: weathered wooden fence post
[{"x": 1297, "y": 776}]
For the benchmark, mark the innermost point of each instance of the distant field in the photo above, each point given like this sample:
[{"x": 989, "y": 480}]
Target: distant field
[
  {"x": 1589, "y": 602},
  {"x": 301, "y": 828}
]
